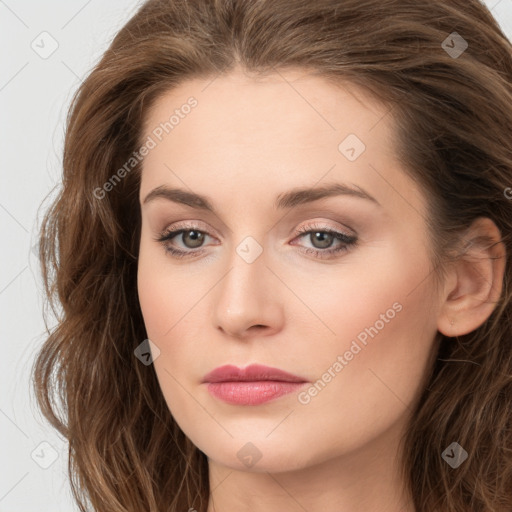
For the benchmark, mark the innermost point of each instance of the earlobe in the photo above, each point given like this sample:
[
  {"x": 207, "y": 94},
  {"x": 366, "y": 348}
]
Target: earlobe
[{"x": 475, "y": 281}]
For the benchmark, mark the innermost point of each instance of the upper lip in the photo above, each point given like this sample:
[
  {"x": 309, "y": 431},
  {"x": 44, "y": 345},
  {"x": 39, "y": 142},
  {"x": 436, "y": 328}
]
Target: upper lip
[{"x": 253, "y": 372}]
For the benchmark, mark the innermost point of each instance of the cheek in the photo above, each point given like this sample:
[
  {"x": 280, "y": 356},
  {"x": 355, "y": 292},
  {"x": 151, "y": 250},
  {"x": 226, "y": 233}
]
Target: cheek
[
  {"x": 167, "y": 308},
  {"x": 165, "y": 291},
  {"x": 383, "y": 317},
  {"x": 365, "y": 293},
  {"x": 171, "y": 298},
  {"x": 154, "y": 297},
  {"x": 156, "y": 301}
]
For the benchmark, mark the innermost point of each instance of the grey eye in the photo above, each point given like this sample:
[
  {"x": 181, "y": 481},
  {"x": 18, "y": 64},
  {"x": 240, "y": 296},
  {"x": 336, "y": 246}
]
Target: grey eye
[
  {"x": 324, "y": 239},
  {"x": 196, "y": 238}
]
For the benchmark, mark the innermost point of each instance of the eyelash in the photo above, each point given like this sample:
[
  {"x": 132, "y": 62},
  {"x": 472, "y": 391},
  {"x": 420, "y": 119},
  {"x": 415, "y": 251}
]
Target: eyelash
[{"x": 349, "y": 241}]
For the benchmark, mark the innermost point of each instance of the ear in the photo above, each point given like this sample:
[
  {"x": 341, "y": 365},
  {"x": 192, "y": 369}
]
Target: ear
[{"x": 474, "y": 281}]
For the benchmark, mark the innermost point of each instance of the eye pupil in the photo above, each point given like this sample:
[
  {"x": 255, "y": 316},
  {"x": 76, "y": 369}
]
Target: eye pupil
[
  {"x": 325, "y": 239},
  {"x": 196, "y": 236}
]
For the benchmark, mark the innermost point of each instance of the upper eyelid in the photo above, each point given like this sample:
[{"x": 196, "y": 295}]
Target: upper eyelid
[
  {"x": 316, "y": 224},
  {"x": 184, "y": 225},
  {"x": 197, "y": 225}
]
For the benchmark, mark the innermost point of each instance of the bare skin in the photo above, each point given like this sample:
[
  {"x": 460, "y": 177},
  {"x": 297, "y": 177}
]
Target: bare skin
[{"x": 246, "y": 142}]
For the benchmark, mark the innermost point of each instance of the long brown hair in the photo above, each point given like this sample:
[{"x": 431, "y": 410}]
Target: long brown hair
[{"x": 453, "y": 119}]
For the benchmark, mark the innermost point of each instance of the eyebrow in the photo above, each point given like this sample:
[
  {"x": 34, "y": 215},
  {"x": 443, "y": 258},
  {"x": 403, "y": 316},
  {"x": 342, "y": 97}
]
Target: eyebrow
[{"x": 290, "y": 199}]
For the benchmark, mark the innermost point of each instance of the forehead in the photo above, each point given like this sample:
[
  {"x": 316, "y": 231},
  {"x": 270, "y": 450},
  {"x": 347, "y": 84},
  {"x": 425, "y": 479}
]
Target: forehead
[
  {"x": 247, "y": 108},
  {"x": 278, "y": 131}
]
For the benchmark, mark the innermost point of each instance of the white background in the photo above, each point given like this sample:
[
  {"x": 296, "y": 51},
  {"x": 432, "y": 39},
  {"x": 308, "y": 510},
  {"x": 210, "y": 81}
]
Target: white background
[{"x": 34, "y": 97}]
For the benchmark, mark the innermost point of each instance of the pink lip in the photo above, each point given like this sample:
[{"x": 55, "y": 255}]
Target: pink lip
[{"x": 252, "y": 385}]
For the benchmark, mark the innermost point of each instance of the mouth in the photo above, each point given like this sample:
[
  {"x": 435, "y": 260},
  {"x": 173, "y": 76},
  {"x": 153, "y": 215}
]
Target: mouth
[{"x": 253, "y": 385}]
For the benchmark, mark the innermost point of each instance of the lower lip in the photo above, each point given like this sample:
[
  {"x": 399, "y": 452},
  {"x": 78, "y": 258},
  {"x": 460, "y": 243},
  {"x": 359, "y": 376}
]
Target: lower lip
[{"x": 252, "y": 392}]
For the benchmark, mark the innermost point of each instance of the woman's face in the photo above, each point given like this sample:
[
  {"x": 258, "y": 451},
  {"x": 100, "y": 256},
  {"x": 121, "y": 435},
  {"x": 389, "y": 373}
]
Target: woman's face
[{"x": 263, "y": 281}]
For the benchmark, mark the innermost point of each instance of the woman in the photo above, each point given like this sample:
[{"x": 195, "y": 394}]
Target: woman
[{"x": 282, "y": 250}]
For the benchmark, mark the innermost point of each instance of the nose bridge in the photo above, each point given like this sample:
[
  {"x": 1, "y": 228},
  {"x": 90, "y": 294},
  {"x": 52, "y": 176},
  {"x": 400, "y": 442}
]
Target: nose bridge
[
  {"x": 245, "y": 295},
  {"x": 245, "y": 280}
]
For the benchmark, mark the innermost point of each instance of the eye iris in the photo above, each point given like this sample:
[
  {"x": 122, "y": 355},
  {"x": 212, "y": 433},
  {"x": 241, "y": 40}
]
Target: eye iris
[
  {"x": 325, "y": 239},
  {"x": 196, "y": 236}
]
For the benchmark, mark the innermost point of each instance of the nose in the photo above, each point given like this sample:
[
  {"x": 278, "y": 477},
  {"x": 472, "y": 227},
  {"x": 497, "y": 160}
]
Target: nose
[{"x": 247, "y": 302}]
